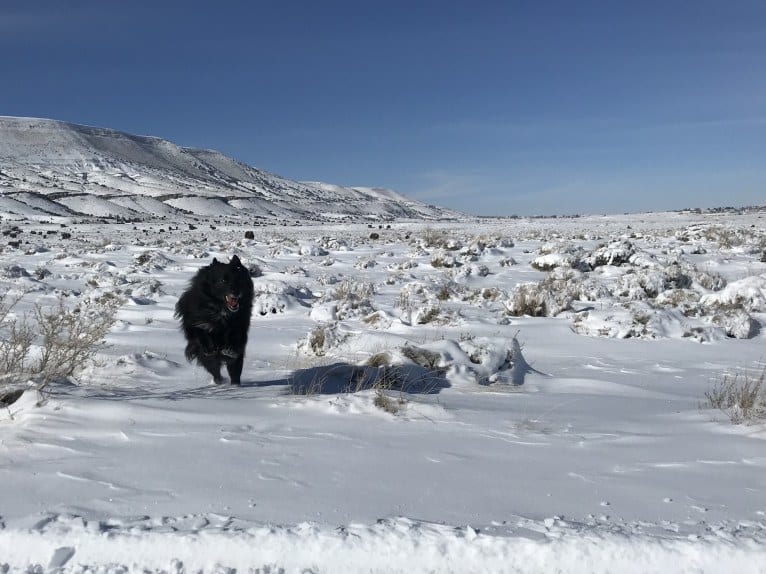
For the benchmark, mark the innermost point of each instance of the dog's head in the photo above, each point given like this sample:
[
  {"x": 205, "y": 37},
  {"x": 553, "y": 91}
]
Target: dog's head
[{"x": 229, "y": 283}]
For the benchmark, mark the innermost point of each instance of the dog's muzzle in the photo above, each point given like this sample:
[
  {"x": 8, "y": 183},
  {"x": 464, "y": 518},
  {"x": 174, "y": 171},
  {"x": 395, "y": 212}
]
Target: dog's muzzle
[{"x": 232, "y": 303}]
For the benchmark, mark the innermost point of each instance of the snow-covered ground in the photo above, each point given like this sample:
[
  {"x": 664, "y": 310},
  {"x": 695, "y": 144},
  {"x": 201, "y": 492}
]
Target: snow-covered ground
[{"x": 577, "y": 440}]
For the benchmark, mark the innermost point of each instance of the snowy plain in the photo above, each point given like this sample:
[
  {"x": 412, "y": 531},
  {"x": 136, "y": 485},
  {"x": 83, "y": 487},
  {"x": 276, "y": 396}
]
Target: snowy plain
[{"x": 573, "y": 441}]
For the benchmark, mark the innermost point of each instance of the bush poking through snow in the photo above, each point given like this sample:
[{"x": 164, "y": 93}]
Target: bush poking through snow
[
  {"x": 615, "y": 253},
  {"x": 423, "y": 358},
  {"x": 68, "y": 338},
  {"x": 388, "y": 378},
  {"x": 16, "y": 340},
  {"x": 353, "y": 298},
  {"x": 549, "y": 297},
  {"x": 317, "y": 340},
  {"x": 529, "y": 300},
  {"x": 388, "y": 404},
  {"x": 748, "y": 294},
  {"x": 320, "y": 340},
  {"x": 427, "y": 314},
  {"x": 737, "y": 323},
  {"x": 436, "y": 238},
  {"x": 71, "y": 337},
  {"x": 741, "y": 397}
]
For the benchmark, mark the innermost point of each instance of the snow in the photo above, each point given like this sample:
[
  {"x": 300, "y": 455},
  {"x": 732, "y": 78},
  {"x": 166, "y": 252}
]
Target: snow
[
  {"x": 574, "y": 441},
  {"x": 90, "y": 205},
  {"x": 217, "y": 543}
]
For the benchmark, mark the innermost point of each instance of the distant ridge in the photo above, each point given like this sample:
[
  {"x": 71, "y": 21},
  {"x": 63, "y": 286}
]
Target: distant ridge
[{"x": 54, "y": 168}]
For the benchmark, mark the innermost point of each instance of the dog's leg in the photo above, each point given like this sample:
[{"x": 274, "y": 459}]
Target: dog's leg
[
  {"x": 234, "y": 366},
  {"x": 212, "y": 364}
]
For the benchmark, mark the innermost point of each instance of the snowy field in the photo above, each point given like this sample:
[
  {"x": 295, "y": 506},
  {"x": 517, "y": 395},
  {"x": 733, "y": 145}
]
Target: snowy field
[{"x": 492, "y": 396}]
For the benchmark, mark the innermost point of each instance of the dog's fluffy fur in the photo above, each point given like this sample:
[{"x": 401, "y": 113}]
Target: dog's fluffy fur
[{"x": 215, "y": 317}]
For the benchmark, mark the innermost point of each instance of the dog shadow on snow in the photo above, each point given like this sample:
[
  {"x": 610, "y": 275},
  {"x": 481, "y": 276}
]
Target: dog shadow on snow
[
  {"x": 340, "y": 378},
  {"x": 331, "y": 379}
]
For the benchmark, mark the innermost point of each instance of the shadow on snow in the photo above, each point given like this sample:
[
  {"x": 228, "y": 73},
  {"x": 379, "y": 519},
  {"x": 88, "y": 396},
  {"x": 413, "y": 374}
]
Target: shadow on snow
[{"x": 333, "y": 379}]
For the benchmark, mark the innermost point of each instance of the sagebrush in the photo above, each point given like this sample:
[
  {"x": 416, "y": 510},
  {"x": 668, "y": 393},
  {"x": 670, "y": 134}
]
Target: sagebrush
[
  {"x": 52, "y": 342},
  {"x": 742, "y": 397}
]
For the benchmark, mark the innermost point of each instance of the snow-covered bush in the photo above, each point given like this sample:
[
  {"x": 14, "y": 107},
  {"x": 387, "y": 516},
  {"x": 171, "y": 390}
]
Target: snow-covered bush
[
  {"x": 365, "y": 263},
  {"x": 272, "y": 297},
  {"x": 550, "y": 261},
  {"x": 353, "y": 298},
  {"x": 685, "y": 300},
  {"x": 615, "y": 253},
  {"x": 642, "y": 283},
  {"x": 748, "y": 293},
  {"x": 552, "y": 295},
  {"x": 535, "y": 300},
  {"x": 153, "y": 261},
  {"x": 737, "y": 323},
  {"x": 334, "y": 244},
  {"x": 312, "y": 250},
  {"x": 426, "y": 314},
  {"x": 321, "y": 340},
  {"x": 725, "y": 237},
  {"x": 631, "y": 320},
  {"x": 403, "y": 265},
  {"x": 442, "y": 259}
]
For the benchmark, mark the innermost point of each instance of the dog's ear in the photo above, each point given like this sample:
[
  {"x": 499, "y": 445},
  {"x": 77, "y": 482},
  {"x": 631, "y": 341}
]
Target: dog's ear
[
  {"x": 215, "y": 261},
  {"x": 235, "y": 261}
]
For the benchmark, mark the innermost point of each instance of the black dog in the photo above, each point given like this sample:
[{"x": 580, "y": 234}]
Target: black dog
[{"x": 215, "y": 317}]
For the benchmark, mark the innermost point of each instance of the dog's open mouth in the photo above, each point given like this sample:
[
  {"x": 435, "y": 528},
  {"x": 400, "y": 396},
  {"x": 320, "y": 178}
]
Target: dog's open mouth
[{"x": 232, "y": 303}]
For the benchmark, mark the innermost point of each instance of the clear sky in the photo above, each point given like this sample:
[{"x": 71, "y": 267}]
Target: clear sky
[{"x": 489, "y": 107}]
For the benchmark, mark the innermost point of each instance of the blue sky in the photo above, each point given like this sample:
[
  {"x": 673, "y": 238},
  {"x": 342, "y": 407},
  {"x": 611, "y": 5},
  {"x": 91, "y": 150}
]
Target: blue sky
[{"x": 493, "y": 108}]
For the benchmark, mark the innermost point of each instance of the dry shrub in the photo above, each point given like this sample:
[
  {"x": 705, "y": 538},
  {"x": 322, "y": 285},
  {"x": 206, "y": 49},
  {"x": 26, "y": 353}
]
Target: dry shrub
[
  {"x": 71, "y": 337},
  {"x": 67, "y": 338},
  {"x": 353, "y": 297},
  {"x": 317, "y": 340},
  {"x": 379, "y": 360},
  {"x": 390, "y": 379},
  {"x": 422, "y": 357},
  {"x": 428, "y": 315},
  {"x": 528, "y": 299},
  {"x": 435, "y": 238},
  {"x": 388, "y": 404},
  {"x": 17, "y": 340},
  {"x": 741, "y": 397},
  {"x": 444, "y": 293}
]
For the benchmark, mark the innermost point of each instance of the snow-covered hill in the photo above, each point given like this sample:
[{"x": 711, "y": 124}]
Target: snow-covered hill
[{"x": 49, "y": 167}]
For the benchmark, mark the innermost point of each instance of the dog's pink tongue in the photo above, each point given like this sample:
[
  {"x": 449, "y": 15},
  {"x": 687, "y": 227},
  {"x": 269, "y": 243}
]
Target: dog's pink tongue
[{"x": 232, "y": 301}]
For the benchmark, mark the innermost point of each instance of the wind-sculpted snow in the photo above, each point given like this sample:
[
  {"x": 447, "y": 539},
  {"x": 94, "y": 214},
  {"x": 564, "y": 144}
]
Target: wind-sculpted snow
[
  {"x": 49, "y": 167},
  {"x": 491, "y": 396},
  {"x": 216, "y": 543}
]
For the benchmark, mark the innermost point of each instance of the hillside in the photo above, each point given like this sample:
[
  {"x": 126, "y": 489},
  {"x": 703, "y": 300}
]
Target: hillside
[{"x": 49, "y": 167}]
